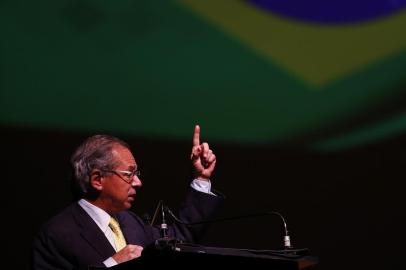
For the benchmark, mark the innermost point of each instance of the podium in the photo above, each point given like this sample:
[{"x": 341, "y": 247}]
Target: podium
[{"x": 181, "y": 255}]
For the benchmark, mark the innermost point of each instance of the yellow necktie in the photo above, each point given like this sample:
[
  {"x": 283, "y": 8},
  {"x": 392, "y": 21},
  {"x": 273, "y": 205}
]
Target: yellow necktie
[{"x": 117, "y": 234}]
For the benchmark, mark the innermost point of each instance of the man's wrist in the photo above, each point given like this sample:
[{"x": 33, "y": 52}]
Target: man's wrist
[{"x": 201, "y": 178}]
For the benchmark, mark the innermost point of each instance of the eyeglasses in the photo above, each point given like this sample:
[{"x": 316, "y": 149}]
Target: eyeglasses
[{"x": 127, "y": 176}]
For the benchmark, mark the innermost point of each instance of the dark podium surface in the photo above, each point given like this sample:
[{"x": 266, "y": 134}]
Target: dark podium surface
[{"x": 183, "y": 255}]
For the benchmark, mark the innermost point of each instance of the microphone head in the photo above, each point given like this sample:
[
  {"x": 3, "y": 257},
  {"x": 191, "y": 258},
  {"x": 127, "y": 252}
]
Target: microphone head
[{"x": 286, "y": 241}]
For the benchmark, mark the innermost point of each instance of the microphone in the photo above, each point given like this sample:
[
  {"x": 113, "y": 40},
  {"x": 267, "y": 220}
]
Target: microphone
[
  {"x": 163, "y": 226},
  {"x": 164, "y": 242},
  {"x": 286, "y": 238}
]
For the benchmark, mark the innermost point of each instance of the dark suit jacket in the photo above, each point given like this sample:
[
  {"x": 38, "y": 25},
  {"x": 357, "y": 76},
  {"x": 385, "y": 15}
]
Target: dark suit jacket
[{"x": 72, "y": 240}]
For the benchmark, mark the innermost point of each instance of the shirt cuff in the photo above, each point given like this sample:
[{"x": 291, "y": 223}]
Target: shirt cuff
[
  {"x": 202, "y": 186},
  {"x": 110, "y": 262}
]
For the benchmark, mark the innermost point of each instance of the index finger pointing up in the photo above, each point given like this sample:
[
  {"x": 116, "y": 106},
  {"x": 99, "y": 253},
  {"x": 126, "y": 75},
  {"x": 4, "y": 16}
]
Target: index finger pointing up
[{"x": 196, "y": 136}]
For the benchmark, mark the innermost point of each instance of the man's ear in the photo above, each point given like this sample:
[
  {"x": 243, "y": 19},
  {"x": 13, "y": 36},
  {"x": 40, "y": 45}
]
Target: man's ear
[{"x": 96, "y": 179}]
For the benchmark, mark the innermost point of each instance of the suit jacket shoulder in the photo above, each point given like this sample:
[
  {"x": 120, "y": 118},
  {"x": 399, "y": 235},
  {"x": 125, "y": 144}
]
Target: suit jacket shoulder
[{"x": 70, "y": 240}]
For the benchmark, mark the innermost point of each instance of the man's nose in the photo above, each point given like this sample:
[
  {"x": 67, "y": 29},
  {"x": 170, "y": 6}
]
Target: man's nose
[{"x": 136, "y": 181}]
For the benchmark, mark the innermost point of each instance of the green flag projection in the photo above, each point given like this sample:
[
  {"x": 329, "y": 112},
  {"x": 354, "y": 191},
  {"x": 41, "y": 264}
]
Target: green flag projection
[{"x": 246, "y": 71}]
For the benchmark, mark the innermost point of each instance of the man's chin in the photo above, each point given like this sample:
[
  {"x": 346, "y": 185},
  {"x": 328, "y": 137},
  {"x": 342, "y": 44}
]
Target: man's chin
[{"x": 129, "y": 203}]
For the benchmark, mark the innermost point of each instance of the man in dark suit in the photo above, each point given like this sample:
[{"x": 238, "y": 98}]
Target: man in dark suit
[{"x": 98, "y": 230}]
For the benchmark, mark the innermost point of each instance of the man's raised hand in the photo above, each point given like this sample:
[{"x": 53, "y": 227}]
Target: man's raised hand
[{"x": 203, "y": 158}]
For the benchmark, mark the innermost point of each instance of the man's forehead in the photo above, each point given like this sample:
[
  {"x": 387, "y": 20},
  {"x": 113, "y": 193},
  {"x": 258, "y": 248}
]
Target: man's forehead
[{"x": 124, "y": 155}]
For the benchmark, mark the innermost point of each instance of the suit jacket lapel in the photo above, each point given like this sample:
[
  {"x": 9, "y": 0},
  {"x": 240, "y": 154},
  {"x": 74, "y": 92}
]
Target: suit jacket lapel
[
  {"x": 92, "y": 233},
  {"x": 129, "y": 233},
  {"x": 133, "y": 230}
]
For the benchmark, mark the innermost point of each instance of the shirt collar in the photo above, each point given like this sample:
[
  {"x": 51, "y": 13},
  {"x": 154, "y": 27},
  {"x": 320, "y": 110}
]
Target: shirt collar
[{"x": 101, "y": 217}]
